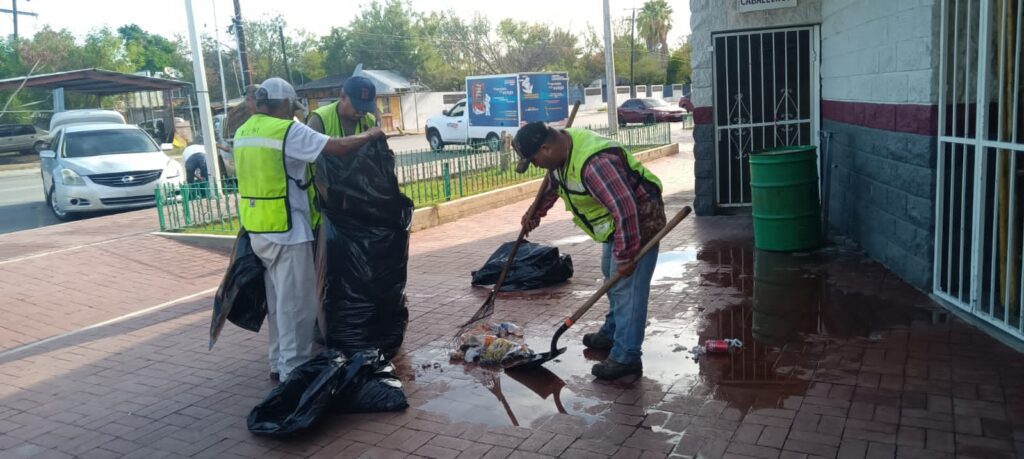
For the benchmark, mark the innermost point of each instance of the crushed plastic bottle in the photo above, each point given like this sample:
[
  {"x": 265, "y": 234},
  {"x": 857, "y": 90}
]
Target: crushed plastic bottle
[
  {"x": 719, "y": 346},
  {"x": 716, "y": 346}
]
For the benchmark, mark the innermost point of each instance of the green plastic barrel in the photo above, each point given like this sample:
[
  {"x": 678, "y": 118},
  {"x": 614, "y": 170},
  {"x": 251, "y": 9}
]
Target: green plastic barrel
[{"x": 784, "y": 195}]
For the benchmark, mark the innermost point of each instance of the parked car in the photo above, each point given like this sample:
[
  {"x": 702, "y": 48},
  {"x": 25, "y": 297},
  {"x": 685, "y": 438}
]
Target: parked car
[
  {"x": 23, "y": 138},
  {"x": 686, "y": 104},
  {"x": 93, "y": 164},
  {"x": 648, "y": 110}
]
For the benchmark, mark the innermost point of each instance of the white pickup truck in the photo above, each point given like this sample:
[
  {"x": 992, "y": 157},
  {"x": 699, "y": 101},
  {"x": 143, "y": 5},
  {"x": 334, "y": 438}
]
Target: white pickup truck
[
  {"x": 452, "y": 127},
  {"x": 500, "y": 103}
]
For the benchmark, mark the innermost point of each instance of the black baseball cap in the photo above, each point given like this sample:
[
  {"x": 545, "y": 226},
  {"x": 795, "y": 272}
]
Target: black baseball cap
[
  {"x": 527, "y": 141},
  {"x": 361, "y": 93}
]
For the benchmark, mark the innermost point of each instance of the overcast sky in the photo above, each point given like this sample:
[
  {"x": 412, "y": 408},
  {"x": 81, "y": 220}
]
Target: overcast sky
[{"x": 167, "y": 17}]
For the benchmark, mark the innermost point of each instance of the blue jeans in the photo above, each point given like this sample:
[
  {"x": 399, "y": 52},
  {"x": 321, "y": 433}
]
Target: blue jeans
[{"x": 627, "y": 315}]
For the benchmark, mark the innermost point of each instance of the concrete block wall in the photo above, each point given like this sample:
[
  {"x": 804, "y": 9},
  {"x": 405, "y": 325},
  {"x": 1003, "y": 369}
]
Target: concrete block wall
[
  {"x": 879, "y": 69},
  {"x": 883, "y": 195},
  {"x": 881, "y": 51}
]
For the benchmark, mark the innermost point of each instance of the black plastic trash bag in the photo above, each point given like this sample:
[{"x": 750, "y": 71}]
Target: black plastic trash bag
[
  {"x": 363, "y": 253},
  {"x": 311, "y": 388},
  {"x": 242, "y": 295},
  {"x": 365, "y": 382},
  {"x": 376, "y": 390},
  {"x": 535, "y": 266}
]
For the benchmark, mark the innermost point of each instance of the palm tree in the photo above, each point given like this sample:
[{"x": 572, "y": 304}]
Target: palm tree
[{"x": 653, "y": 23}]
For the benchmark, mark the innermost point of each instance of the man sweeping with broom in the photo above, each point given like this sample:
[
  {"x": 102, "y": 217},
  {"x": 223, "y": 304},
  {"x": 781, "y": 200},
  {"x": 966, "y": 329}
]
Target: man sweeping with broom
[{"x": 618, "y": 203}]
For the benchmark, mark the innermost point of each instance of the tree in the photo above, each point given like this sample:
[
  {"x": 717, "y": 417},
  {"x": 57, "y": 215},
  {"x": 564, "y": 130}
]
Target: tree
[
  {"x": 679, "y": 68},
  {"x": 519, "y": 46},
  {"x": 104, "y": 49},
  {"x": 53, "y": 50},
  {"x": 381, "y": 37},
  {"x": 446, "y": 61},
  {"x": 653, "y": 23},
  {"x": 153, "y": 53}
]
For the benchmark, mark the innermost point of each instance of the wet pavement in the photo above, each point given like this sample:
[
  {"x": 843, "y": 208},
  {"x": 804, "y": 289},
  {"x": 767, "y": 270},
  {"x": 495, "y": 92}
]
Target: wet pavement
[{"x": 839, "y": 359}]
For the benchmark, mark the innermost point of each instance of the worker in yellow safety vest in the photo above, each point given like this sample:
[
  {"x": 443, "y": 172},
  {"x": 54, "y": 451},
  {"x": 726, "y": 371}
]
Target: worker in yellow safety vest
[{"x": 277, "y": 206}]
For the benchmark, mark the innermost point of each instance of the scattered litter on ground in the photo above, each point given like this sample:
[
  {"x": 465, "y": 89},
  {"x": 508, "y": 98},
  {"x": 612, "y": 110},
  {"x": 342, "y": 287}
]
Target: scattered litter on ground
[
  {"x": 715, "y": 346},
  {"x": 492, "y": 344}
]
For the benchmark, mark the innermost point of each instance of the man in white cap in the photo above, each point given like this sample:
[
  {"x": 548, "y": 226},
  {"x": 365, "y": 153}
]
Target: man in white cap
[{"x": 273, "y": 154}]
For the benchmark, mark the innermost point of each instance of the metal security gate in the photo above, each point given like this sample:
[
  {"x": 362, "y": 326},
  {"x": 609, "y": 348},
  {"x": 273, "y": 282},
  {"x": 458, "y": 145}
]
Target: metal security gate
[
  {"x": 979, "y": 188},
  {"x": 766, "y": 89}
]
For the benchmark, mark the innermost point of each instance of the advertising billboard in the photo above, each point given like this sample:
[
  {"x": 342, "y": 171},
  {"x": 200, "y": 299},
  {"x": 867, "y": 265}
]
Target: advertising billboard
[
  {"x": 492, "y": 101},
  {"x": 544, "y": 97}
]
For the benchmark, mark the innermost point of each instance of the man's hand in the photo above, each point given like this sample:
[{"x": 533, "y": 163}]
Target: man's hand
[
  {"x": 625, "y": 268},
  {"x": 374, "y": 133},
  {"x": 529, "y": 224}
]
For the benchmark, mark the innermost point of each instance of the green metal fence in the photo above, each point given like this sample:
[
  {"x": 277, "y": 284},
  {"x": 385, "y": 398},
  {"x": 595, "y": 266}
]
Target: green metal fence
[
  {"x": 196, "y": 207},
  {"x": 427, "y": 176}
]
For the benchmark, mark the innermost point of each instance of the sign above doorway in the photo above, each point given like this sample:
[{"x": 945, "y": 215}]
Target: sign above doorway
[{"x": 746, "y": 6}]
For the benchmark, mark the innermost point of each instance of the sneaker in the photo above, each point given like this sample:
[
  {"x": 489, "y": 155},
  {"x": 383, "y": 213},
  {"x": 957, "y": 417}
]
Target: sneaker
[
  {"x": 610, "y": 369},
  {"x": 598, "y": 341}
]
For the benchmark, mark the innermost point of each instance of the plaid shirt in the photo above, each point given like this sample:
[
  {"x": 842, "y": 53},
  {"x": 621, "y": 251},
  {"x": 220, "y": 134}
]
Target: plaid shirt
[{"x": 606, "y": 178}]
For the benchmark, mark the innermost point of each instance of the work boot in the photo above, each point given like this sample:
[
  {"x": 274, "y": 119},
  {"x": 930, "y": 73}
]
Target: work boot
[
  {"x": 598, "y": 341},
  {"x": 610, "y": 369}
]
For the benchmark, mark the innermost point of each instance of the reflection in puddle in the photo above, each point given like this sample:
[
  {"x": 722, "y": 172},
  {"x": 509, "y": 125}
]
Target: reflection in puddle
[
  {"x": 571, "y": 240},
  {"x": 790, "y": 311}
]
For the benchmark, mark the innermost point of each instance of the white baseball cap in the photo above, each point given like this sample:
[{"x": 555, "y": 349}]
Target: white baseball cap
[{"x": 278, "y": 89}]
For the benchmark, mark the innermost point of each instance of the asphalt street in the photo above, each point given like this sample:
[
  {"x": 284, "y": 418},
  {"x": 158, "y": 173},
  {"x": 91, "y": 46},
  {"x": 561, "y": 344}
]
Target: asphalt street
[{"x": 22, "y": 204}]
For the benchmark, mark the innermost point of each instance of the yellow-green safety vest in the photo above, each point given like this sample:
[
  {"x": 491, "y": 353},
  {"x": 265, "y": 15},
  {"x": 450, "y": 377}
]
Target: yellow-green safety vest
[
  {"x": 263, "y": 177},
  {"x": 332, "y": 122},
  {"x": 588, "y": 213}
]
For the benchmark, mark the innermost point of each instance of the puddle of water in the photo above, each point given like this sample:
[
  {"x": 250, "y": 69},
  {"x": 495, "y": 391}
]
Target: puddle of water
[
  {"x": 672, "y": 269},
  {"x": 784, "y": 307},
  {"x": 571, "y": 240}
]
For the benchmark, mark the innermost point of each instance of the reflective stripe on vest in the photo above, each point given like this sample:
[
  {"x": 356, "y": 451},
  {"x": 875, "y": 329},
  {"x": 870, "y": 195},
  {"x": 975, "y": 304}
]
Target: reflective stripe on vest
[
  {"x": 588, "y": 213},
  {"x": 262, "y": 176}
]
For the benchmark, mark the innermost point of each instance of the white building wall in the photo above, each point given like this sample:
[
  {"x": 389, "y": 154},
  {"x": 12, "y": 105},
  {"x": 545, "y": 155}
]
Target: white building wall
[
  {"x": 881, "y": 51},
  {"x": 710, "y": 16},
  {"x": 418, "y": 106}
]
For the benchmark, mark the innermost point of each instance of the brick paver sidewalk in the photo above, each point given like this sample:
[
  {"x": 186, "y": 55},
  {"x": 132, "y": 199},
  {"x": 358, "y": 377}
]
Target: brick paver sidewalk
[{"x": 841, "y": 361}]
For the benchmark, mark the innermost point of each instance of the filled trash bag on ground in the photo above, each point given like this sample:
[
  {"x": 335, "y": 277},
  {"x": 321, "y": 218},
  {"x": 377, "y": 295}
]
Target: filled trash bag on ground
[
  {"x": 364, "y": 382},
  {"x": 376, "y": 389},
  {"x": 535, "y": 266},
  {"x": 298, "y": 402},
  {"x": 242, "y": 295},
  {"x": 363, "y": 253}
]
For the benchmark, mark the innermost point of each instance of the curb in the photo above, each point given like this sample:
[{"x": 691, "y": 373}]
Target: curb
[
  {"x": 220, "y": 243},
  {"x": 439, "y": 214}
]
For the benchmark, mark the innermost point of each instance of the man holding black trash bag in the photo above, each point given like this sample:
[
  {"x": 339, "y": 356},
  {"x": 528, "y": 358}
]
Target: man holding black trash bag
[
  {"x": 277, "y": 206},
  {"x": 618, "y": 203},
  {"x": 352, "y": 114}
]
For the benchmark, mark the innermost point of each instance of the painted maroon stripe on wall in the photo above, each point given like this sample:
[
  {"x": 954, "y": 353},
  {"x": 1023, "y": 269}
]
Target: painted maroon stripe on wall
[{"x": 914, "y": 119}]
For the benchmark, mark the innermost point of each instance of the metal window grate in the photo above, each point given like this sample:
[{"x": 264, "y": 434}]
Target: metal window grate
[{"x": 979, "y": 240}]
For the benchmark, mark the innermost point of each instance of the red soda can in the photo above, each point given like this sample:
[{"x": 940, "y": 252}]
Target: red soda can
[{"x": 719, "y": 346}]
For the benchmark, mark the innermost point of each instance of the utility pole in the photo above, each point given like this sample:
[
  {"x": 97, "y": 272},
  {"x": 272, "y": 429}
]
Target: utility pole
[
  {"x": 14, "y": 13},
  {"x": 609, "y": 71},
  {"x": 632, "y": 53},
  {"x": 284, "y": 52},
  {"x": 220, "y": 62},
  {"x": 203, "y": 96},
  {"x": 236, "y": 24}
]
